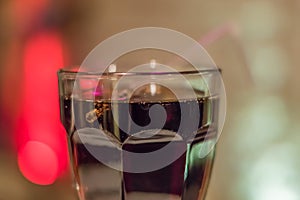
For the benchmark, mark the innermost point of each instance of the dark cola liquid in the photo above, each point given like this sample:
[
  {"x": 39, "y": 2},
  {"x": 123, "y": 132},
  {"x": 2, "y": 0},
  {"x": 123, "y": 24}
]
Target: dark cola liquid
[{"x": 92, "y": 150}]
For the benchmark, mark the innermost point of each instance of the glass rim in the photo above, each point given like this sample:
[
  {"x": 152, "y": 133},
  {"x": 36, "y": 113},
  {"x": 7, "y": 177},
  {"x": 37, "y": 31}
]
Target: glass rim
[{"x": 73, "y": 71}]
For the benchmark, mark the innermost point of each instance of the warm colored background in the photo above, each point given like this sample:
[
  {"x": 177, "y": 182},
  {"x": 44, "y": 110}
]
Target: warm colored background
[{"x": 255, "y": 42}]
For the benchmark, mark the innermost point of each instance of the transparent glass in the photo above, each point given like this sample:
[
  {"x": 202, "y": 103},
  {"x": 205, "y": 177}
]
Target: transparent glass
[{"x": 141, "y": 135}]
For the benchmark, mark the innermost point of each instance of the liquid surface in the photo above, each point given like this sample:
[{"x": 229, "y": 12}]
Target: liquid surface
[{"x": 186, "y": 178}]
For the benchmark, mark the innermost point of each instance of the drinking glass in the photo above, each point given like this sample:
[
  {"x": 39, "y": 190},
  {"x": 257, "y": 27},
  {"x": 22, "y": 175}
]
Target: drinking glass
[{"x": 141, "y": 135}]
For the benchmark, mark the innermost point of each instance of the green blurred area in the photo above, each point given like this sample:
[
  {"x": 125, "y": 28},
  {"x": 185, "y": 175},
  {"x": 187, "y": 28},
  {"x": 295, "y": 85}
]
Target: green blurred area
[{"x": 257, "y": 154}]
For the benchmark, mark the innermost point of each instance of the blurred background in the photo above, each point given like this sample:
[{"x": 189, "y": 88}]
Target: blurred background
[{"x": 256, "y": 43}]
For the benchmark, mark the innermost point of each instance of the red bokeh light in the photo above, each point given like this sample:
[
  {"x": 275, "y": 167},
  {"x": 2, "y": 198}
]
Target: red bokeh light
[
  {"x": 40, "y": 134},
  {"x": 38, "y": 163}
]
